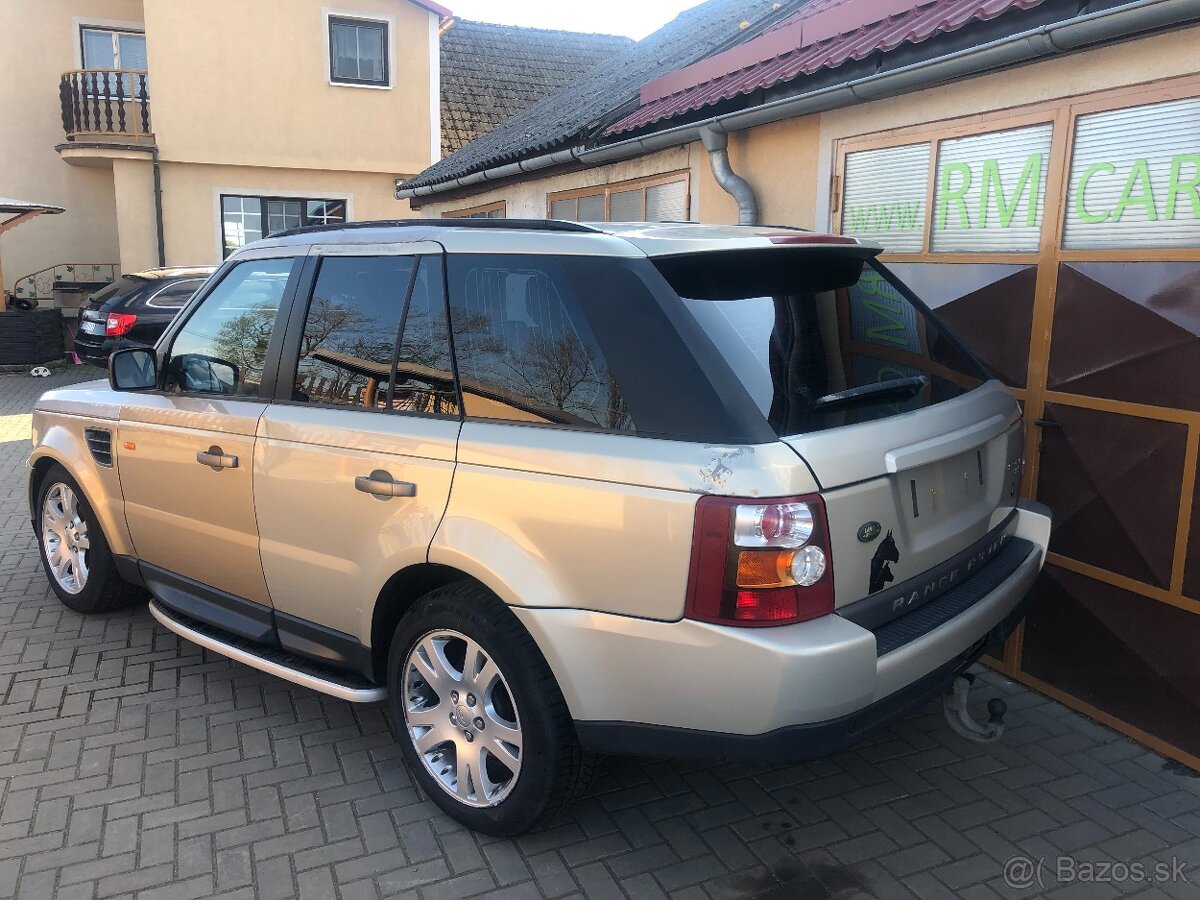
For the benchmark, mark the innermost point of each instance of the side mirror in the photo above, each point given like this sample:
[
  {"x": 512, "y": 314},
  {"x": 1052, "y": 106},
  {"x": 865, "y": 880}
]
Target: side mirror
[{"x": 135, "y": 369}]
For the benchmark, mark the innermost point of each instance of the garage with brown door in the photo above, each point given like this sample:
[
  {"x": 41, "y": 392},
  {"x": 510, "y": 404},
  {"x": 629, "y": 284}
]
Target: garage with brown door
[{"x": 1062, "y": 242}]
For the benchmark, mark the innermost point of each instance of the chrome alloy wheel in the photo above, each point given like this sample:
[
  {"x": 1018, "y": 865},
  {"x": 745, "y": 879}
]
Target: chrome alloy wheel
[
  {"x": 65, "y": 538},
  {"x": 461, "y": 718}
]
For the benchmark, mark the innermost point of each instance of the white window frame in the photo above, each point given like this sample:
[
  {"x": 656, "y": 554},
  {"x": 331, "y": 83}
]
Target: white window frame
[
  {"x": 80, "y": 23},
  {"x": 328, "y": 13},
  {"x": 115, "y": 35}
]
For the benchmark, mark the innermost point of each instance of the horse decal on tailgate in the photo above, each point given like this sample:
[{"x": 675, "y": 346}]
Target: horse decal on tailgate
[{"x": 881, "y": 569}]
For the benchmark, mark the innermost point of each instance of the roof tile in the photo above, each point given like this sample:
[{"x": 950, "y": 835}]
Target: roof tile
[
  {"x": 588, "y": 103},
  {"x": 492, "y": 72},
  {"x": 919, "y": 23}
]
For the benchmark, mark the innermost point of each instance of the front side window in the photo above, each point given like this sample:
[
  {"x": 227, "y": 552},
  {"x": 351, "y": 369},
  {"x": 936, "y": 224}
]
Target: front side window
[
  {"x": 821, "y": 339},
  {"x": 247, "y": 219},
  {"x": 222, "y": 349},
  {"x": 375, "y": 336},
  {"x": 525, "y": 349},
  {"x": 358, "y": 51}
]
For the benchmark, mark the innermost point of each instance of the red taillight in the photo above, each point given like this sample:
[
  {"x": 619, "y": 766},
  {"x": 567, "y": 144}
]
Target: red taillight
[
  {"x": 785, "y": 578},
  {"x": 118, "y": 324}
]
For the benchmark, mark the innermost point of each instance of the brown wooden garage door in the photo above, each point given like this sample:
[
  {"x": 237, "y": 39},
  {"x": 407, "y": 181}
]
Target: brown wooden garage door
[{"x": 1062, "y": 243}]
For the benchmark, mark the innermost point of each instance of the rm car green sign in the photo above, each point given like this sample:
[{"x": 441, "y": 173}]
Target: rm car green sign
[
  {"x": 1135, "y": 178},
  {"x": 990, "y": 190},
  {"x": 1135, "y": 182},
  {"x": 884, "y": 196}
]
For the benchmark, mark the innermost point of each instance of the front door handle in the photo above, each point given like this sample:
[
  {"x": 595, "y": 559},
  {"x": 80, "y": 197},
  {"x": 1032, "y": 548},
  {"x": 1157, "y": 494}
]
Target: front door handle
[
  {"x": 381, "y": 484},
  {"x": 216, "y": 458}
]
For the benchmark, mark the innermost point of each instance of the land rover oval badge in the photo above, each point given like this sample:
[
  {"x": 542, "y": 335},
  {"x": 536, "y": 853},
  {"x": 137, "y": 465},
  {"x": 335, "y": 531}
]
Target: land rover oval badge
[{"x": 868, "y": 531}]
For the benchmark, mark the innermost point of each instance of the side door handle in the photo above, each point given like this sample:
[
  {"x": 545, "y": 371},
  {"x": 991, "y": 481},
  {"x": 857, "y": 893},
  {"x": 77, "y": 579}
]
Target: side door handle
[
  {"x": 215, "y": 458},
  {"x": 381, "y": 484}
]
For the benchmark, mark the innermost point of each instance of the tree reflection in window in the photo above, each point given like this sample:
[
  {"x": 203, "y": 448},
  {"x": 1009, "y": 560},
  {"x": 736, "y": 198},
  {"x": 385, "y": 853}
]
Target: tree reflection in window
[
  {"x": 524, "y": 350},
  {"x": 350, "y": 333},
  {"x": 233, "y": 324}
]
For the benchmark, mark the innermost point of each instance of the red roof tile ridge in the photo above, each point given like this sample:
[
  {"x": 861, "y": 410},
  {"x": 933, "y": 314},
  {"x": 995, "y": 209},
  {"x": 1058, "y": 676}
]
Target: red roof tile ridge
[
  {"x": 817, "y": 21},
  {"x": 917, "y": 22}
]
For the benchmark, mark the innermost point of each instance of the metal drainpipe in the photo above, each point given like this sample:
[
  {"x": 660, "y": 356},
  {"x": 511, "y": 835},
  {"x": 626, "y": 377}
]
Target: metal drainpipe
[
  {"x": 717, "y": 144},
  {"x": 158, "y": 213}
]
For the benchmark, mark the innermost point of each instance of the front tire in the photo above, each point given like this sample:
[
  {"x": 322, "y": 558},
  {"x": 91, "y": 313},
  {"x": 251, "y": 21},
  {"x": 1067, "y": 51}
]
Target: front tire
[
  {"x": 482, "y": 723},
  {"x": 74, "y": 551}
]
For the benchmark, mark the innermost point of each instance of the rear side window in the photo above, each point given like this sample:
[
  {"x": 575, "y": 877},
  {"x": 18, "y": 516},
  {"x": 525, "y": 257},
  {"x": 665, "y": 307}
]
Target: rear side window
[
  {"x": 525, "y": 348},
  {"x": 375, "y": 336},
  {"x": 821, "y": 338}
]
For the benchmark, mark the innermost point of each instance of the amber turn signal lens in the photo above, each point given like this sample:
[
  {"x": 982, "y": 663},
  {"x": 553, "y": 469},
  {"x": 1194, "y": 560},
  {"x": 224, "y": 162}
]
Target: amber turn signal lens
[{"x": 765, "y": 568}]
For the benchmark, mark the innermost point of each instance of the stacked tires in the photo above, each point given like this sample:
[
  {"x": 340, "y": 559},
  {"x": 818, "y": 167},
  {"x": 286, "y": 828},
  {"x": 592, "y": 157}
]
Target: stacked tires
[{"x": 31, "y": 338}]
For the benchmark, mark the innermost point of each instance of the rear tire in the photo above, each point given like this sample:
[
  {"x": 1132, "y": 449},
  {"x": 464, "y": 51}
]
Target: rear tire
[
  {"x": 74, "y": 551},
  {"x": 481, "y": 720}
]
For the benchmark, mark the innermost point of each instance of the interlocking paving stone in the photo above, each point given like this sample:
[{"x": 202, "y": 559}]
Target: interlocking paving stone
[{"x": 133, "y": 764}]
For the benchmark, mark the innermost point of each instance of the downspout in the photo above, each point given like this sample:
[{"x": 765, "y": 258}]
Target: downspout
[
  {"x": 717, "y": 144},
  {"x": 158, "y": 212}
]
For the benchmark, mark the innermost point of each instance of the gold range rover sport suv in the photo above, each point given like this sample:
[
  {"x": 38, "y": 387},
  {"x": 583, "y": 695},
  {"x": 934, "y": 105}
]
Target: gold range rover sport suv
[{"x": 552, "y": 490}]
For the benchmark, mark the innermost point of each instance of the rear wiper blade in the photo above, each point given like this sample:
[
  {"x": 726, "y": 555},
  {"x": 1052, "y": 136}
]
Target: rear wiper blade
[{"x": 902, "y": 388}]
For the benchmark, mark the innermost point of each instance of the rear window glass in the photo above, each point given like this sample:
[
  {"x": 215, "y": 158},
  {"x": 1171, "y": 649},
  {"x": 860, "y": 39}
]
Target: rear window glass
[
  {"x": 174, "y": 295},
  {"x": 126, "y": 284},
  {"x": 821, "y": 339}
]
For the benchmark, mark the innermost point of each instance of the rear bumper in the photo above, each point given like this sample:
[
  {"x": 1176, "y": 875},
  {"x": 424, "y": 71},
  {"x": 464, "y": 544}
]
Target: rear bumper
[
  {"x": 789, "y": 693},
  {"x": 792, "y": 743},
  {"x": 98, "y": 352}
]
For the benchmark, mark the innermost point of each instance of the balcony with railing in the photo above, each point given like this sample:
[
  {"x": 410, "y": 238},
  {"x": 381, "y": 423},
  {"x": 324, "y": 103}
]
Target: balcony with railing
[{"x": 106, "y": 106}]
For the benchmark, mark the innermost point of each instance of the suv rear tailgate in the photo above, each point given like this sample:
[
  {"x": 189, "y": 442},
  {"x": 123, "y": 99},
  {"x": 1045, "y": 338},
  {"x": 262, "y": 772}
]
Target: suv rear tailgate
[{"x": 907, "y": 493}]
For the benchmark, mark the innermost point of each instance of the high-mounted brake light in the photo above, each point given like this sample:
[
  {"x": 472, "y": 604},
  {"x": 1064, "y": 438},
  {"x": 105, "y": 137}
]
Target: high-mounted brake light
[
  {"x": 118, "y": 324},
  {"x": 760, "y": 563}
]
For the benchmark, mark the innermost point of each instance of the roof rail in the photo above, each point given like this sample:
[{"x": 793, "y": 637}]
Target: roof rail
[{"x": 519, "y": 224}]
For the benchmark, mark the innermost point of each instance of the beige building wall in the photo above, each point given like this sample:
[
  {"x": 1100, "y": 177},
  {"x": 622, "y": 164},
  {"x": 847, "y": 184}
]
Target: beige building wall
[
  {"x": 40, "y": 42},
  {"x": 191, "y": 200},
  {"x": 780, "y": 162},
  {"x": 246, "y": 82},
  {"x": 133, "y": 184}
]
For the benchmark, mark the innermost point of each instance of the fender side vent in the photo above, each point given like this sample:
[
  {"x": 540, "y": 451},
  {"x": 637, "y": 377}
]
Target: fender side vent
[{"x": 99, "y": 443}]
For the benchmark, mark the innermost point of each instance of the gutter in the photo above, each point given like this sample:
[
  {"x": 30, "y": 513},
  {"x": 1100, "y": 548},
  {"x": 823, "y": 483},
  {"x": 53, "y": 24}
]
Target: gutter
[{"x": 1126, "y": 20}]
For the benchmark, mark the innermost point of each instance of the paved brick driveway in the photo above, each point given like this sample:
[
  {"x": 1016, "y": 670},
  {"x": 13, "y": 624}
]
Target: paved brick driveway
[{"x": 132, "y": 763}]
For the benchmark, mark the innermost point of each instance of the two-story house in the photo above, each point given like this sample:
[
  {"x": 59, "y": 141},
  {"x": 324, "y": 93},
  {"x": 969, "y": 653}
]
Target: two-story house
[{"x": 173, "y": 133}]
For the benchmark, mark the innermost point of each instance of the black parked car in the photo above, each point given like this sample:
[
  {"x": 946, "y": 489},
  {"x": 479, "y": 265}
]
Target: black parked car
[{"x": 134, "y": 310}]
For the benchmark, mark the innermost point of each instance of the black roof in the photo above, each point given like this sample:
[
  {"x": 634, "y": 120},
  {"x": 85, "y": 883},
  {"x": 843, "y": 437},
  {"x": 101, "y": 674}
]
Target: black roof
[
  {"x": 492, "y": 72},
  {"x": 588, "y": 104}
]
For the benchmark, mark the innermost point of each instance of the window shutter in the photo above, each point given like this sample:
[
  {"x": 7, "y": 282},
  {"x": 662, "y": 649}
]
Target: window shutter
[
  {"x": 990, "y": 191},
  {"x": 884, "y": 196},
  {"x": 1135, "y": 178},
  {"x": 667, "y": 202}
]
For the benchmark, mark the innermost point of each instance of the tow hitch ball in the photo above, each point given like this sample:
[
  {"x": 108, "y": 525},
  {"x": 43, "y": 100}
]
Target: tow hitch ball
[{"x": 959, "y": 718}]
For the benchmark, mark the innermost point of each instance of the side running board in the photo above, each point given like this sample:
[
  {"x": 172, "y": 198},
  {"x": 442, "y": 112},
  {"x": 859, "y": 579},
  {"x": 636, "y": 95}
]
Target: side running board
[{"x": 272, "y": 660}]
